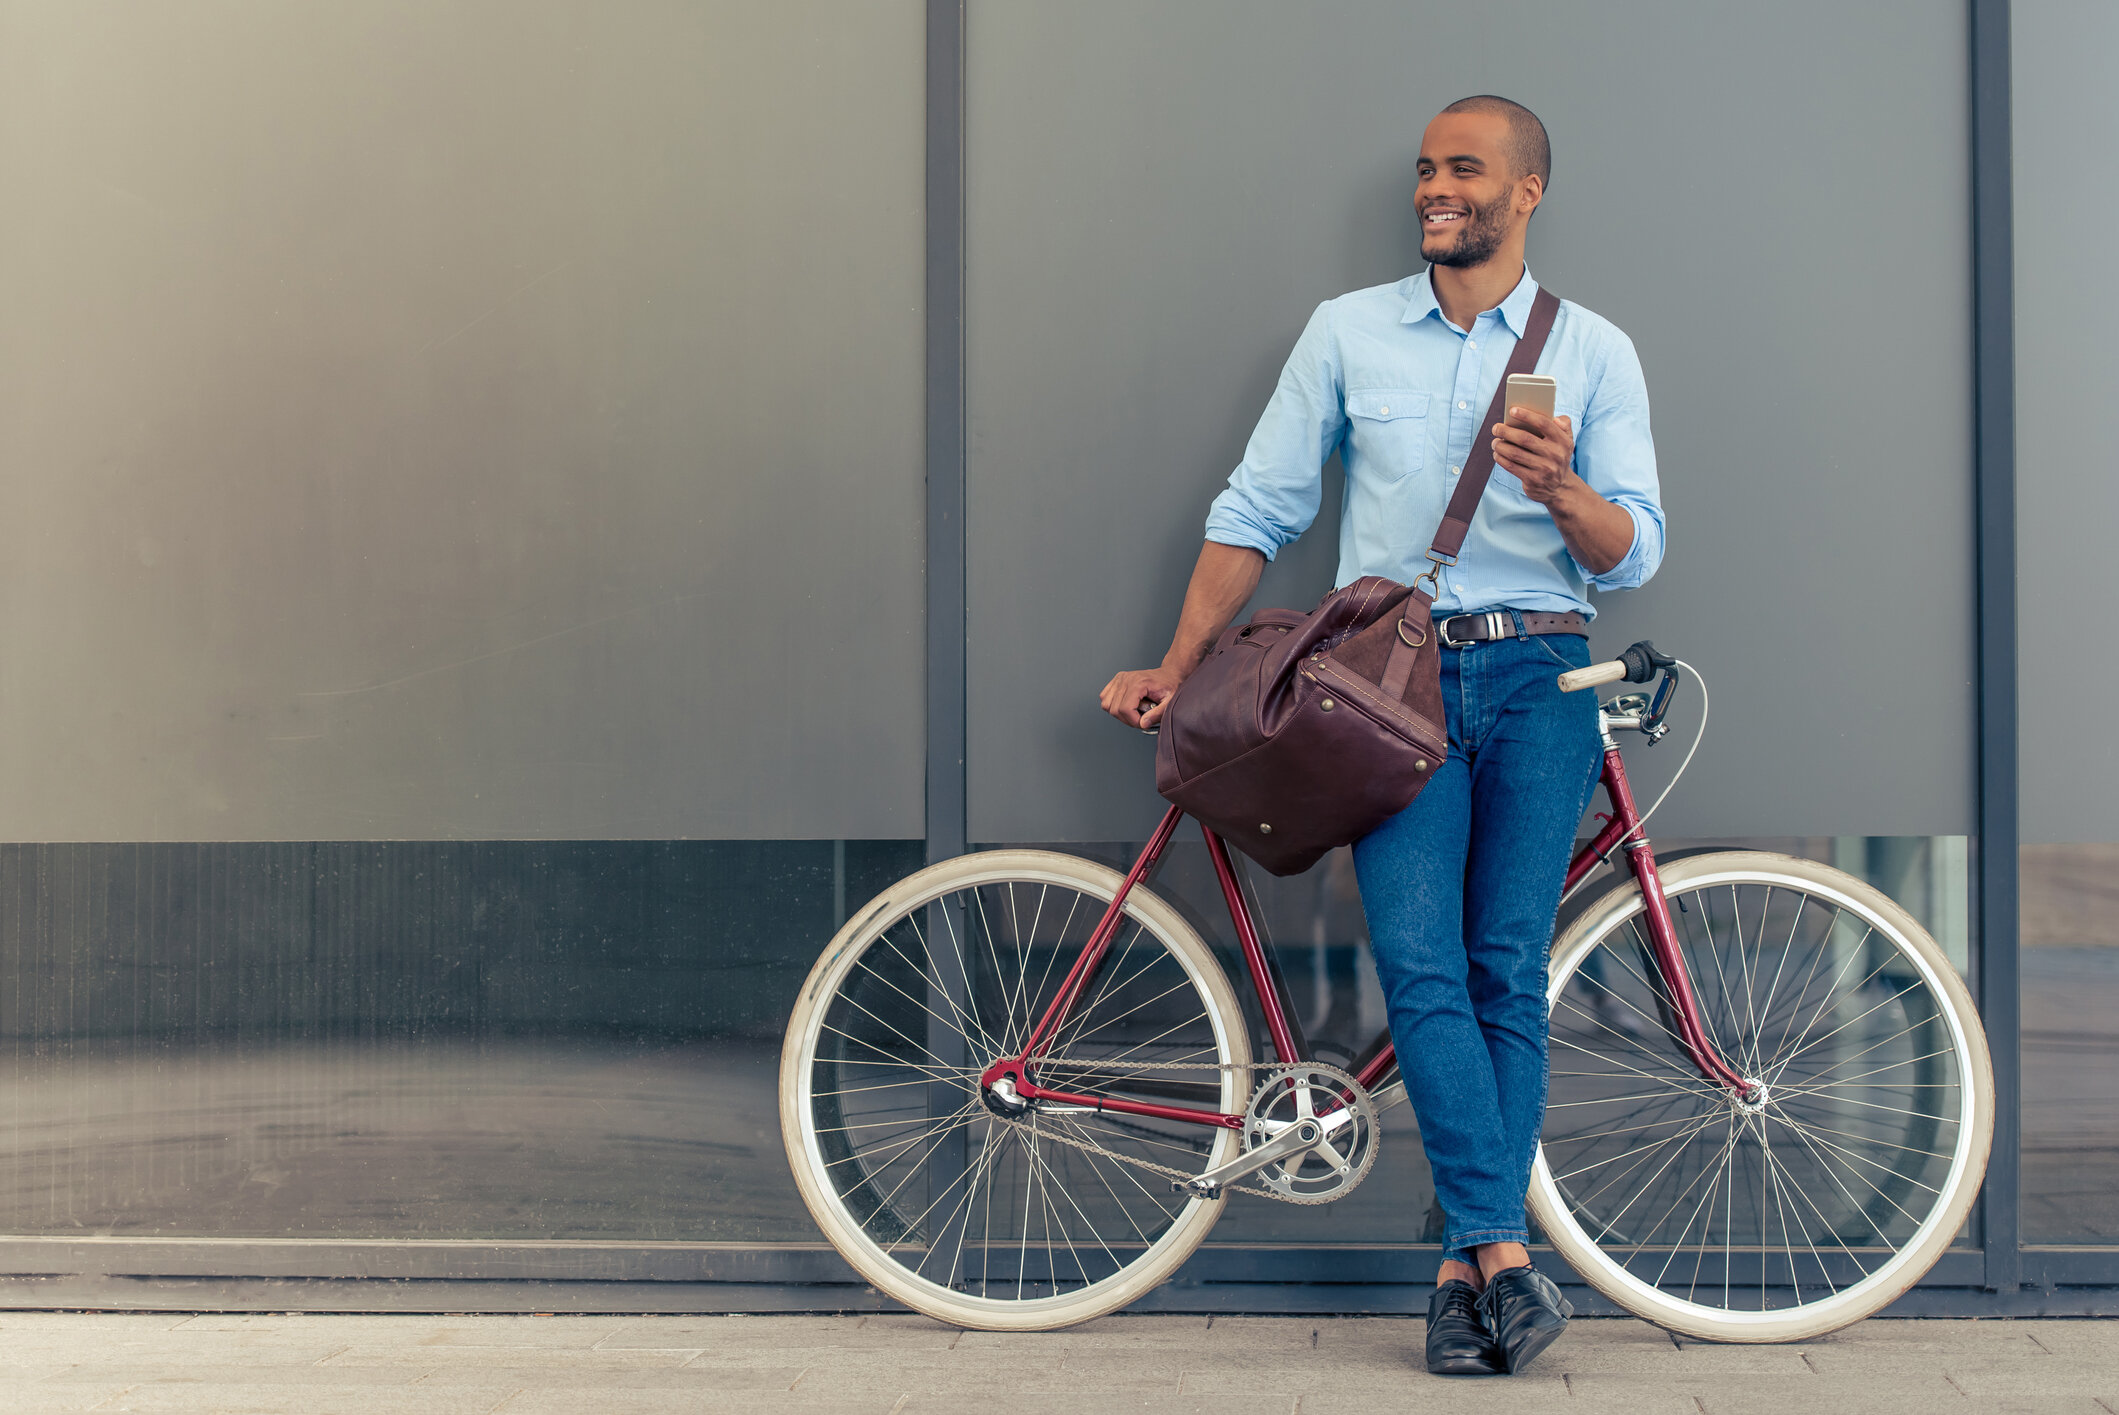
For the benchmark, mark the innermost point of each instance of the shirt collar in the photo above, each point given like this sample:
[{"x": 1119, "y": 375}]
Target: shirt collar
[{"x": 1420, "y": 302}]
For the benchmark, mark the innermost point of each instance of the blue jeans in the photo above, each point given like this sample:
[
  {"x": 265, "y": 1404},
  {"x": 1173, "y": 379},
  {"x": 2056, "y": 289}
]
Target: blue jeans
[{"x": 1461, "y": 889}]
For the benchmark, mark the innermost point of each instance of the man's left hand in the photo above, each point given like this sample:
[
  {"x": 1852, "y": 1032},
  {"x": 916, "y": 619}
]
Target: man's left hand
[{"x": 1539, "y": 450}]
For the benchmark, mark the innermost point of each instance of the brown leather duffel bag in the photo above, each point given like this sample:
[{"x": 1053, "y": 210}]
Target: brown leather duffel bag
[{"x": 1302, "y": 732}]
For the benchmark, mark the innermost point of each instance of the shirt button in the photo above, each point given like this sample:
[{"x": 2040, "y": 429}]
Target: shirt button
[
  {"x": 1473, "y": 342},
  {"x": 1463, "y": 404},
  {"x": 1453, "y": 471},
  {"x": 1385, "y": 410}
]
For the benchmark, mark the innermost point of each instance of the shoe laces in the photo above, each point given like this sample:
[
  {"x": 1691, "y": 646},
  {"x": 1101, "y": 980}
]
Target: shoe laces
[
  {"x": 1459, "y": 1300},
  {"x": 1490, "y": 1304}
]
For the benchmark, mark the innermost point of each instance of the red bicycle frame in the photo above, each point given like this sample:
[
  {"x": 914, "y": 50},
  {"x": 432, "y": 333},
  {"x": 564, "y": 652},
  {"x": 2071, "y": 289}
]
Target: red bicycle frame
[{"x": 1622, "y": 830}]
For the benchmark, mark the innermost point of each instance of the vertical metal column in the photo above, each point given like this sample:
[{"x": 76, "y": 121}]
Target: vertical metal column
[
  {"x": 1994, "y": 396},
  {"x": 946, "y": 669},
  {"x": 947, "y": 826}
]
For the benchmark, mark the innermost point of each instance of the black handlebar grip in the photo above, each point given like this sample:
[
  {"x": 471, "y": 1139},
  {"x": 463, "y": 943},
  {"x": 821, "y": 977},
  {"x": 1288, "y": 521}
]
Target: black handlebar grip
[{"x": 1643, "y": 662}]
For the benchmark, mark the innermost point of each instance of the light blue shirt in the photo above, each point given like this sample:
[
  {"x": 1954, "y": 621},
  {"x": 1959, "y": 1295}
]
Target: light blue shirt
[{"x": 1380, "y": 377}]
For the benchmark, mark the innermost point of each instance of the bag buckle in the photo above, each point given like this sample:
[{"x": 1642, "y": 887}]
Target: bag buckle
[{"x": 1436, "y": 564}]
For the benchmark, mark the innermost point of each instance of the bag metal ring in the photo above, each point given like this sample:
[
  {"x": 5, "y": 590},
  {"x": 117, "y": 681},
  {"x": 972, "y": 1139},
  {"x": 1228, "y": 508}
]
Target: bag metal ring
[{"x": 1410, "y": 643}]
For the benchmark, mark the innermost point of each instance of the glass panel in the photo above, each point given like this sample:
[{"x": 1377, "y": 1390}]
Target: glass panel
[
  {"x": 2070, "y": 914},
  {"x": 1320, "y": 938},
  {"x": 496, "y": 1040}
]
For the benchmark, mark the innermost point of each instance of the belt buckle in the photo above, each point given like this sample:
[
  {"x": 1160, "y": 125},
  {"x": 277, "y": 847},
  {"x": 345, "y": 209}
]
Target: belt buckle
[{"x": 1498, "y": 625}]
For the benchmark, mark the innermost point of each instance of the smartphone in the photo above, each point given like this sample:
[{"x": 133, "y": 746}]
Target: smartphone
[{"x": 1533, "y": 390}]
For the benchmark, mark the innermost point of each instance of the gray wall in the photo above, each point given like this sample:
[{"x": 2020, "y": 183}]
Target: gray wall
[
  {"x": 460, "y": 418},
  {"x": 2067, "y": 477},
  {"x": 1161, "y": 193}
]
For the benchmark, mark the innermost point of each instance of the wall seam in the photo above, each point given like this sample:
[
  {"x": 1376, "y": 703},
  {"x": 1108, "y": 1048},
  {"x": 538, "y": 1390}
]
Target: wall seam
[
  {"x": 1994, "y": 483},
  {"x": 947, "y": 826}
]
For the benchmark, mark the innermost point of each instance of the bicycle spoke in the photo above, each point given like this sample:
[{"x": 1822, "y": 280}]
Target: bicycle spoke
[
  {"x": 934, "y": 982},
  {"x": 935, "y": 1068},
  {"x": 979, "y": 1041},
  {"x": 1694, "y": 1088},
  {"x": 1917, "y": 983}
]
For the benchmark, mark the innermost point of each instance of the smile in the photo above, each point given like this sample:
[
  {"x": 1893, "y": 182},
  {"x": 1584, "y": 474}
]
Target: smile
[{"x": 1438, "y": 218}]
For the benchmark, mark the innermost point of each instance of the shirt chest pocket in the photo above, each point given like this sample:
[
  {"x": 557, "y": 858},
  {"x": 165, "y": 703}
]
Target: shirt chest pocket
[{"x": 1388, "y": 429}]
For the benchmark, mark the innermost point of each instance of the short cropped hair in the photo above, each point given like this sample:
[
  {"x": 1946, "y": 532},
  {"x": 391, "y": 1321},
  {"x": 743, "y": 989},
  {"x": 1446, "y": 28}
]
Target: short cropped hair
[{"x": 1529, "y": 150}]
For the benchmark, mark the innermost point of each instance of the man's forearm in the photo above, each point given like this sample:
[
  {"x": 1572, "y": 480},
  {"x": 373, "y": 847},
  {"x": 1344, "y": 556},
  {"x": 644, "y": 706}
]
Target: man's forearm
[
  {"x": 1223, "y": 581},
  {"x": 1598, "y": 533}
]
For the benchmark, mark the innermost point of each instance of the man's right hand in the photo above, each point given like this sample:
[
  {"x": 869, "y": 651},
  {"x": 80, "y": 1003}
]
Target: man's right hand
[
  {"x": 1139, "y": 698},
  {"x": 1222, "y": 583}
]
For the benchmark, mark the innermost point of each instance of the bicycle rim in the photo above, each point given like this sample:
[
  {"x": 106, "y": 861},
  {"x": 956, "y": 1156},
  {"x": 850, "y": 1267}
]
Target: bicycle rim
[
  {"x": 1789, "y": 1216},
  {"x": 971, "y": 1217}
]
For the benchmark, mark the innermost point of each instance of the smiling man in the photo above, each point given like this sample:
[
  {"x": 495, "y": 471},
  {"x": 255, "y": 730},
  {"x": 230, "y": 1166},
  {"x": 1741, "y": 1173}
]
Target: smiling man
[{"x": 1462, "y": 886}]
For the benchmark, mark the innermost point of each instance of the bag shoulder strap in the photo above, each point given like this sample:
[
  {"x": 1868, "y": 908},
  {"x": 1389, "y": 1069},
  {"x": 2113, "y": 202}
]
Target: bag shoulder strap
[
  {"x": 1479, "y": 465},
  {"x": 1464, "y": 501}
]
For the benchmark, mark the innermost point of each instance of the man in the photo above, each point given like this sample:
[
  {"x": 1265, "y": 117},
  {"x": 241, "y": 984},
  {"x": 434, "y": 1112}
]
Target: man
[{"x": 1461, "y": 888}]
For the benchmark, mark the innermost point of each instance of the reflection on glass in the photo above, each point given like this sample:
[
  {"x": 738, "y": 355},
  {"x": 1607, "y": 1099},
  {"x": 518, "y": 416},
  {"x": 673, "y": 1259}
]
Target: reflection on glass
[
  {"x": 554, "y": 1040},
  {"x": 406, "y": 1040},
  {"x": 2070, "y": 919}
]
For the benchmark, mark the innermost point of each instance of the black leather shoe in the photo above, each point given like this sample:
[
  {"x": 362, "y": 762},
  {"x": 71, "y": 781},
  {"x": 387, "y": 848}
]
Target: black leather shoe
[
  {"x": 1526, "y": 1313},
  {"x": 1458, "y": 1340}
]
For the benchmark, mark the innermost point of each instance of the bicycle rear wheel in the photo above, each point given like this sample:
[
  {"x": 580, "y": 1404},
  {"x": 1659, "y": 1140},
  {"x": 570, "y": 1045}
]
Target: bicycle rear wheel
[
  {"x": 979, "y": 1218},
  {"x": 1824, "y": 1198}
]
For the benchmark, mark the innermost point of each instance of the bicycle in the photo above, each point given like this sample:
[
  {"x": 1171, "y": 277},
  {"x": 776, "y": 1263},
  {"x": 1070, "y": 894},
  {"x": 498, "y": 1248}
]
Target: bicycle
[{"x": 1017, "y": 1088}]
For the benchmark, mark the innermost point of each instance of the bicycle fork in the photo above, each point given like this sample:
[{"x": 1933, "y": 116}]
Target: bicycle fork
[{"x": 1624, "y": 825}]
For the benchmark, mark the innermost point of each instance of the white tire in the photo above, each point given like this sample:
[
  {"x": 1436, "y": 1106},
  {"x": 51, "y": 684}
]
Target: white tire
[
  {"x": 874, "y": 966},
  {"x": 1891, "y": 1133}
]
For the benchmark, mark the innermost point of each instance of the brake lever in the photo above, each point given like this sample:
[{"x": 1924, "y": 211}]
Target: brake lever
[{"x": 1652, "y": 722}]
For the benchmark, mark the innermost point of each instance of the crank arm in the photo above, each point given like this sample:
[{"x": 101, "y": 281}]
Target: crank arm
[
  {"x": 1389, "y": 1097},
  {"x": 1294, "y": 1140},
  {"x": 1304, "y": 1134}
]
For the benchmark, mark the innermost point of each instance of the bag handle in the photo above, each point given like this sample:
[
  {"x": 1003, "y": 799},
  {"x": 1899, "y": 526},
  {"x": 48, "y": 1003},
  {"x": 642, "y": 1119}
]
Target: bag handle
[{"x": 1464, "y": 501}]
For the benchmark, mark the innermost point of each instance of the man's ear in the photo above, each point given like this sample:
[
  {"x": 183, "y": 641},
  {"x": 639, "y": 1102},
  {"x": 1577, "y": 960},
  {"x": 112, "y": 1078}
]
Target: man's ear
[{"x": 1529, "y": 192}]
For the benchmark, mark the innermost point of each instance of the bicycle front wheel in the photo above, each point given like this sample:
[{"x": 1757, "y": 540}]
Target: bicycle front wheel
[
  {"x": 1827, "y": 1194},
  {"x": 979, "y": 1217}
]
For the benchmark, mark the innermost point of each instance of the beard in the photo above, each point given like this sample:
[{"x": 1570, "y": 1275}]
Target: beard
[{"x": 1484, "y": 229}]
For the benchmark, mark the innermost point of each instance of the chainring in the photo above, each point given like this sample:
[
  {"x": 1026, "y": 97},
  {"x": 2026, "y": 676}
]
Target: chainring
[{"x": 1337, "y": 1162}]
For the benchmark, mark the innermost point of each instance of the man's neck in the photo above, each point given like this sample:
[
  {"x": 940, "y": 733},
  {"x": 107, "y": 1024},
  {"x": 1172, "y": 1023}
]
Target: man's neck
[{"x": 1466, "y": 292}]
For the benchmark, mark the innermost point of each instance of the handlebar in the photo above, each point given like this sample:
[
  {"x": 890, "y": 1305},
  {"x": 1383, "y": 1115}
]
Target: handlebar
[
  {"x": 1638, "y": 664},
  {"x": 1574, "y": 680}
]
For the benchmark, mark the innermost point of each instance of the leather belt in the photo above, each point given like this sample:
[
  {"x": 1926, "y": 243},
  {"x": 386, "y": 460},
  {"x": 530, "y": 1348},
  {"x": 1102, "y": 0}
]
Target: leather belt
[{"x": 1462, "y": 629}]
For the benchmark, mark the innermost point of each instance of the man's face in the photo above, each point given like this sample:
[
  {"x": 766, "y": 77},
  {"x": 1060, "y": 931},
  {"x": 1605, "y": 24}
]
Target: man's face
[{"x": 1466, "y": 200}]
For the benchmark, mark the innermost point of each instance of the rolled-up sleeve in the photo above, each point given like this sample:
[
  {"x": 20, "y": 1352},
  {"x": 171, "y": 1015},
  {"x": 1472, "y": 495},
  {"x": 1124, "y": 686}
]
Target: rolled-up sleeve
[
  {"x": 1274, "y": 493},
  {"x": 1615, "y": 454}
]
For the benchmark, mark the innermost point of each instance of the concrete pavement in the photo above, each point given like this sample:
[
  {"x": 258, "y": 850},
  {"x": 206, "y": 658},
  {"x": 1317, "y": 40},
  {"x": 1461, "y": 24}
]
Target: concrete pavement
[{"x": 900, "y": 1365}]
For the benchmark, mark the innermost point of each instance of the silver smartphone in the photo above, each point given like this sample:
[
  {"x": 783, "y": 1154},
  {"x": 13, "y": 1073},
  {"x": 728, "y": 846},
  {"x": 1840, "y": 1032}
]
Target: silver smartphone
[{"x": 1537, "y": 391}]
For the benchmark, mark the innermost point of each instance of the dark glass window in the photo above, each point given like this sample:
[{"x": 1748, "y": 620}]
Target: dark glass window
[
  {"x": 522, "y": 1040},
  {"x": 2070, "y": 1043}
]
